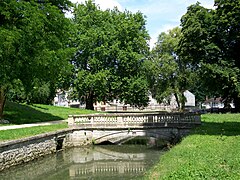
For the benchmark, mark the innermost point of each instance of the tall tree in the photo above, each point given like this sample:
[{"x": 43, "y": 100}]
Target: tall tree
[
  {"x": 111, "y": 47},
  {"x": 209, "y": 43},
  {"x": 33, "y": 48},
  {"x": 169, "y": 74},
  {"x": 227, "y": 38}
]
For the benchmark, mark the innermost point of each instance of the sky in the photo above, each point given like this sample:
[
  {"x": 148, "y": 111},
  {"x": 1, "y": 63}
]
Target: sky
[{"x": 161, "y": 15}]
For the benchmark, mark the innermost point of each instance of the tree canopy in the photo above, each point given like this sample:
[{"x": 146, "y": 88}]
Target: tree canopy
[
  {"x": 210, "y": 43},
  {"x": 110, "y": 49},
  {"x": 33, "y": 36},
  {"x": 104, "y": 55}
]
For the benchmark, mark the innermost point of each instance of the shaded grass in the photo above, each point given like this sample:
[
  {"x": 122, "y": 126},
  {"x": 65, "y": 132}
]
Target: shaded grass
[
  {"x": 30, "y": 131},
  {"x": 212, "y": 151},
  {"x": 22, "y": 113}
]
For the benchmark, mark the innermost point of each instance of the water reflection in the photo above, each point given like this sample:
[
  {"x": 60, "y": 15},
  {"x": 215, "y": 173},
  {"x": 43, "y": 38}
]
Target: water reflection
[{"x": 108, "y": 162}]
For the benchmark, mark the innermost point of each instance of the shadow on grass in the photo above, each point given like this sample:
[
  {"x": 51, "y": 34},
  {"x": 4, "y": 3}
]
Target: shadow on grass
[
  {"x": 39, "y": 107},
  {"x": 23, "y": 114},
  {"x": 219, "y": 129}
]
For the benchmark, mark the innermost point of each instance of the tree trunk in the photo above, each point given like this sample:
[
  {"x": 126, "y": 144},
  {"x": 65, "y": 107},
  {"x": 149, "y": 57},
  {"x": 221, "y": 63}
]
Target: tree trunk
[
  {"x": 2, "y": 102},
  {"x": 180, "y": 101},
  {"x": 183, "y": 101},
  {"x": 177, "y": 100},
  {"x": 89, "y": 102},
  {"x": 236, "y": 102}
]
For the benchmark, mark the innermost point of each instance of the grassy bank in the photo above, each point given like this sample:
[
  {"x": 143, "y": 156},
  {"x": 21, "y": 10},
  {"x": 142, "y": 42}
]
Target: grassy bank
[
  {"x": 23, "y": 113},
  {"x": 30, "y": 131},
  {"x": 212, "y": 151}
]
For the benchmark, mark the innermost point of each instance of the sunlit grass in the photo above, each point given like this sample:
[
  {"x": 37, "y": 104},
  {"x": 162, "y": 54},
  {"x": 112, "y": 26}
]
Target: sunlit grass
[
  {"x": 212, "y": 151},
  {"x": 30, "y": 131}
]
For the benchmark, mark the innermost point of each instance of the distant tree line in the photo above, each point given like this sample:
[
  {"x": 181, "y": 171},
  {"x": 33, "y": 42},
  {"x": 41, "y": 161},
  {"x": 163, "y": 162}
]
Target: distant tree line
[{"x": 104, "y": 55}]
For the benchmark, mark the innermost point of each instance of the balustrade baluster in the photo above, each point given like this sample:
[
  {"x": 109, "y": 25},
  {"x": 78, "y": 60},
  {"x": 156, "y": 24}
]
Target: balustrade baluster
[{"x": 128, "y": 120}]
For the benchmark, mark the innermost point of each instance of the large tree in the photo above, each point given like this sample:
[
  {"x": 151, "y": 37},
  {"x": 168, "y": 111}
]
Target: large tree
[
  {"x": 210, "y": 43},
  {"x": 168, "y": 74},
  {"x": 33, "y": 36},
  {"x": 111, "y": 47},
  {"x": 227, "y": 38}
]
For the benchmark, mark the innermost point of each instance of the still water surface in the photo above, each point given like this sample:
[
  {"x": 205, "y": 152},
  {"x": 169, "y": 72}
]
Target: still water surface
[{"x": 98, "y": 162}]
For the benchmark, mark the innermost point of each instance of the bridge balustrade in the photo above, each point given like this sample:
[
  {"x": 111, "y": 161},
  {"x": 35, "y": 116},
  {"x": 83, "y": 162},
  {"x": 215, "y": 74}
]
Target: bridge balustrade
[{"x": 134, "y": 120}]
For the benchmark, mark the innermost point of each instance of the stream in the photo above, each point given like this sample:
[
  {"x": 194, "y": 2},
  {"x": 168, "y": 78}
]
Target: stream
[{"x": 96, "y": 162}]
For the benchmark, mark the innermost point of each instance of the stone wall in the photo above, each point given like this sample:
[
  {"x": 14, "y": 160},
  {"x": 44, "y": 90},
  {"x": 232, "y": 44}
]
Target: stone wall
[
  {"x": 79, "y": 137},
  {"x": 24, "y": 150}
]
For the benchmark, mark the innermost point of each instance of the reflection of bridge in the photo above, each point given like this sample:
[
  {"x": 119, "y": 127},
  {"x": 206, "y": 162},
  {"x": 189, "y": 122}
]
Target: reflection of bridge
[
  {"x": 82, "y": 155},
  {"x": 118, "y": 128},
  {"x": 105, "y": 162},
  {"x": 114, "y": 162},
  {"x": 107, "y": 168}
]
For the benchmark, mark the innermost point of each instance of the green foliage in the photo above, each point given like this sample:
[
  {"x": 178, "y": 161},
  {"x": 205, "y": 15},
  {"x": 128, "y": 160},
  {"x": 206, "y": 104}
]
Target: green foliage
[
  {"x": 23, "y": 113},
  {"x": 34, "y": 38},
  {"x": 210, "y": 42},
  {"x": 136, "y": 91},
  {"x": 30, "y": 131},
  {"x": 210, "y": 152},
  {"x": 63, "y": 5},
  {"x": 168, "y": 73},
  {"x": 88, "y": 82},
  {"x": 110, "y": 49},
  {"x": 16, "y": 93}
]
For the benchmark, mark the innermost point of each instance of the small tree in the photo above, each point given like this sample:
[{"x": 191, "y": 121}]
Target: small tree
[{"x": 169, "y": 75}]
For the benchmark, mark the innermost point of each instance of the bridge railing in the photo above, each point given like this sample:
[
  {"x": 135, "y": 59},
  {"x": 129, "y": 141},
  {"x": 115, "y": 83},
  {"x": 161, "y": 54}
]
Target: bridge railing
[{"x": 134, "y": 120}]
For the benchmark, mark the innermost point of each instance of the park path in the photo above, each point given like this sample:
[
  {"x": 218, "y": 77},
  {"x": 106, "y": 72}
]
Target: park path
[{"x": 7, "y": 127}]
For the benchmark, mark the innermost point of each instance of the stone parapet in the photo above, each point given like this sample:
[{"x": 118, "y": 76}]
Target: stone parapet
[{"x": 134, "y": 120}]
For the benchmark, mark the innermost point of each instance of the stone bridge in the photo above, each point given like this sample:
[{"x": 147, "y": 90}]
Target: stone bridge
[{"x": 119, "y": 128}]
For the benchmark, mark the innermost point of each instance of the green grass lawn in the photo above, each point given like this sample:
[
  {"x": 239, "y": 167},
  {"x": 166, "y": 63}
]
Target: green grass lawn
[
  {"x": 212, "y": 151},
  {"x": 22, "y": 113},
  {"x": 30, "y": 131}
]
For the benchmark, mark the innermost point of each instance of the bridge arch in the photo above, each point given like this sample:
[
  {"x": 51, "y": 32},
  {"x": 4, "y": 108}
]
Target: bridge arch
[{"x": 121, "y": 136}]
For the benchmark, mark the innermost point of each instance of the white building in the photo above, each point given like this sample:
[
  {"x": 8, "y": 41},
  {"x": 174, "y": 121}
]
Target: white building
[
  {"x": 62, "y": 99},
  {"x": 215, "y": 103},
  {"x": 190, "y": 97}
]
